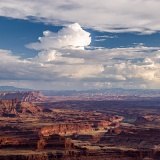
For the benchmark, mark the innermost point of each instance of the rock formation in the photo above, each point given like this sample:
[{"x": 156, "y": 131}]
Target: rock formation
[
  {"x": 33, "y": 96},
  {"x": 66, "y": 129},
  {"x": 14, "y": 107},
  {"x": 141, "y": 120}
]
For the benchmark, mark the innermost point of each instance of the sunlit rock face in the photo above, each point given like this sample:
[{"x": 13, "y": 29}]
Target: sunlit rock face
[{"x": 15, "y": 108}]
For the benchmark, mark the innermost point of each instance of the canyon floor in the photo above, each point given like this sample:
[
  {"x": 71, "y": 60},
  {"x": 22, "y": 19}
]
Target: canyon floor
[{"x": 71, "y": 129}]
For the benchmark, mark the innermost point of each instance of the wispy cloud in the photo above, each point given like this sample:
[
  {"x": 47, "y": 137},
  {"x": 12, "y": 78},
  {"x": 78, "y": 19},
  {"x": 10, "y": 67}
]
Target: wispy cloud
[
  {"x": 107, "y": 36},
  {"x": 104, "y": 37},
  {"x": 100, "y": 40}
]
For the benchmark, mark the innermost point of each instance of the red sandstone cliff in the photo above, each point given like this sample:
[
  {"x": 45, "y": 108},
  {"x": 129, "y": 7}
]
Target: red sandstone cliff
[{"x": 14, "y": 107}]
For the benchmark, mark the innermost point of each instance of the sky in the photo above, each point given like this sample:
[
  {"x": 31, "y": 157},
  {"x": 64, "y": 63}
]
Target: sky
[{"x": 80, "y": 45}]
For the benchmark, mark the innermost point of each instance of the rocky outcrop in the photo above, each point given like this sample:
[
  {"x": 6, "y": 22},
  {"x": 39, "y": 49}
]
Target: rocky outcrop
[
  {"x": 22, "y": 96},
  {"x": 66, "y": 128},
  {"x": 28, "y": 108},
  {"x": 14, "y": 108},
  {"x": 8, "y": 108},
  {"x": 20, "y": 140},
  {"x": 54, "y": 141},
  {"x": 141, "y": 120},
  {"x": 87, "y": 137}
]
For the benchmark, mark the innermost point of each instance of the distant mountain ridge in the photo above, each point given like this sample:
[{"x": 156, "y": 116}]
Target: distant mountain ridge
[
  {"x": 109, "y": 91},
  {"x": 102, "y": 92},
  {"x": 12, "y": 88}
]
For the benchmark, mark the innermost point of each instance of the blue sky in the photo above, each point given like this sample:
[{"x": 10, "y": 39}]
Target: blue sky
[{"x": 80, "y": 45}]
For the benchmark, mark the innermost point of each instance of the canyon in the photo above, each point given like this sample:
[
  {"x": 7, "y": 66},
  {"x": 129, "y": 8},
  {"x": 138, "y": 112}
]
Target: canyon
[{"x": 61, "y": 128}]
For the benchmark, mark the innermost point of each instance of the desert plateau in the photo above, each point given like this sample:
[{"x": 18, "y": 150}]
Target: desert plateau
[{"x": 115, "y": 127}]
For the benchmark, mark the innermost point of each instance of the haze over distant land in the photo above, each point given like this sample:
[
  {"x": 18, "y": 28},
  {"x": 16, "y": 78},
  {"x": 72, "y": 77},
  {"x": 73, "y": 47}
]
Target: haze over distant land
[{"x": 80, "y": 45}]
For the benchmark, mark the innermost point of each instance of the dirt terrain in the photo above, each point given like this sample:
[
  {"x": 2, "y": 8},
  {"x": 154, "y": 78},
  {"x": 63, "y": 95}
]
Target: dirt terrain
[{"x": 79, "y": 130}]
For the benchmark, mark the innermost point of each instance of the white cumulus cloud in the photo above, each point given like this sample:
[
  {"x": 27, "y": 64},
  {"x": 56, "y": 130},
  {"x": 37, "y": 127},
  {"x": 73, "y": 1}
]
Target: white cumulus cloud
[
  {"x": 69, "y": 37},
  {"x": 72, "y": 68}
]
